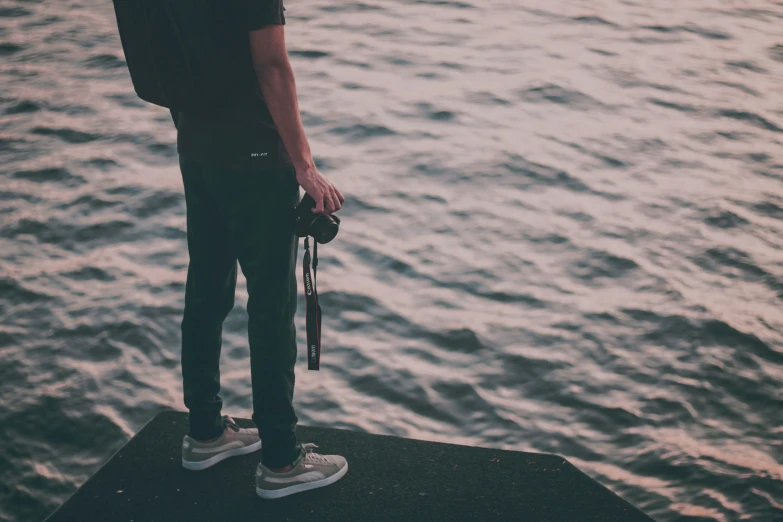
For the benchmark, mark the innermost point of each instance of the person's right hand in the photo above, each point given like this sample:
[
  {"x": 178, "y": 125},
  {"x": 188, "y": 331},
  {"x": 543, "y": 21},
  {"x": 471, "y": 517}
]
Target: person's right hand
[{"x": 327, "y": 198}]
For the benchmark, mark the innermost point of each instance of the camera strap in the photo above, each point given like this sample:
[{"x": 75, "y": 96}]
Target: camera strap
[{"x": 313, "y": 308}]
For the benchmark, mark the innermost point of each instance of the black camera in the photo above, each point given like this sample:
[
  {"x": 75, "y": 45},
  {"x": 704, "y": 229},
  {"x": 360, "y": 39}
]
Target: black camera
[{"x": 323, "y": 227}]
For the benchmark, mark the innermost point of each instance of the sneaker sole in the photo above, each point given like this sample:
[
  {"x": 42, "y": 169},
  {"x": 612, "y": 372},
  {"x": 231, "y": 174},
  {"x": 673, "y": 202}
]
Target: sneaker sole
[
  {"x": 277, "y": 493},
  {"x": 203, "y": 464}
]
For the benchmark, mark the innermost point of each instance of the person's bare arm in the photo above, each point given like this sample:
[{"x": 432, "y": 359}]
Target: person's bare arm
[{"x": 276, "y": 78}]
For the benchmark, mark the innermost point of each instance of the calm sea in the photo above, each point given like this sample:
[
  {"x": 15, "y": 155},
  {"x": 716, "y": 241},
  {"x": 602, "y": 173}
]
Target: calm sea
[{"x": 563, "y": 233}]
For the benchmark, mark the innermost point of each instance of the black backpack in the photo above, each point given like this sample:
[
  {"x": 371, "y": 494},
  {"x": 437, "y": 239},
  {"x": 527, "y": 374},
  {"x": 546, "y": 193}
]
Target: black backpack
[{"x": 185, "y": 55}]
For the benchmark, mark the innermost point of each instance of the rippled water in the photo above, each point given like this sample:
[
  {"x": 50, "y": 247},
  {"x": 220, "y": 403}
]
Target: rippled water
[{"x": 562, "y": 233}]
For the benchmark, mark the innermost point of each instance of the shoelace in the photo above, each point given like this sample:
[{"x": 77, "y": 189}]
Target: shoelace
[{"x": 313, "y": 457}]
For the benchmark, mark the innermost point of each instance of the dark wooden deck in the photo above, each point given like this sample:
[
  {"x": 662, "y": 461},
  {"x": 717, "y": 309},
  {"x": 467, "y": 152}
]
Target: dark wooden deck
[{"x": 389, "y": 479}]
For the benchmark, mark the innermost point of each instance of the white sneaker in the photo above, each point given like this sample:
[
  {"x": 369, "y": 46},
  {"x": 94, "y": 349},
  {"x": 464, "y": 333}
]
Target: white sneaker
[
  {"x": 232, "y": 442},
  {"x": 311, "y": 470}
]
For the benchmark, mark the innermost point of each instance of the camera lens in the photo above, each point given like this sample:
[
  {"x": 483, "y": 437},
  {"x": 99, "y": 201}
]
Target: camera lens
[{"x": 323, "y": 229}]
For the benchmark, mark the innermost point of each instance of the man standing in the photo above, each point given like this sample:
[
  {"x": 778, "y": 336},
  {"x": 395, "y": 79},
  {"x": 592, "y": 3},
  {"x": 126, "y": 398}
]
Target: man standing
[{"x": 242, "y": 166}]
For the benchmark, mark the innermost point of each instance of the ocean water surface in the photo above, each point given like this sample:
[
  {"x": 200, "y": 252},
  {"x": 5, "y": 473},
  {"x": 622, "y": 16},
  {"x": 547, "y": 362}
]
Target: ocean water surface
[{"x": 563, "y": 232}]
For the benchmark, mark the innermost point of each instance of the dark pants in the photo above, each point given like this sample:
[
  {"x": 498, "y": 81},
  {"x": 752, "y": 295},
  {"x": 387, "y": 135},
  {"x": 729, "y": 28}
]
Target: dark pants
[{"x": 245, "y": 216}]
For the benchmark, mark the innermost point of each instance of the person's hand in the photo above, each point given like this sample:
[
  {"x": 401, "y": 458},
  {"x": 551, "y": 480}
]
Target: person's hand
[{"x": 327, "y": 198}]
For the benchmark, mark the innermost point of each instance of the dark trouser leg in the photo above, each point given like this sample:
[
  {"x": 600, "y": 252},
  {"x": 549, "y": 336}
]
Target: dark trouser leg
[
  {"x": 257, "y": 207},
  {"x": 209, "y": 297}
]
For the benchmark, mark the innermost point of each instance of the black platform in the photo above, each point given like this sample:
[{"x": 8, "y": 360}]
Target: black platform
[{"x": 389, "y": 479}]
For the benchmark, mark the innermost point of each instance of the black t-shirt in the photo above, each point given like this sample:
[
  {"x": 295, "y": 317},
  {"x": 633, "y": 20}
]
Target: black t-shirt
[{"x": 241, "y": 135}]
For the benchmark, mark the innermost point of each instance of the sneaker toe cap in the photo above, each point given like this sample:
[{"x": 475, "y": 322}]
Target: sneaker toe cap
[{"x": 337, "y": 460}]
